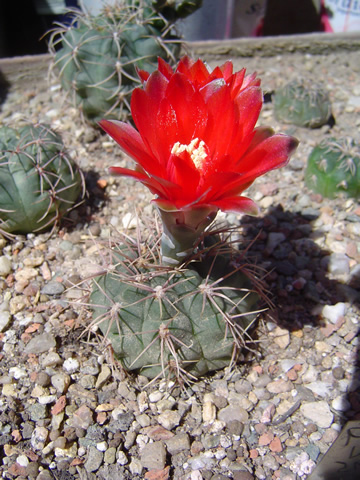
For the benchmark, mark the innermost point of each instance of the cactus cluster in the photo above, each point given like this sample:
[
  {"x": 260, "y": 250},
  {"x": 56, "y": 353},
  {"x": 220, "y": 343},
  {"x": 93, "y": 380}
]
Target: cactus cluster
[
  {"x": 181, "y": 322},
  {"x": 97, "y": 57},
  {"x": 39, "y": 182},
  {"x": 334, "y": 167},
  {"x": 302, "y": 103}
]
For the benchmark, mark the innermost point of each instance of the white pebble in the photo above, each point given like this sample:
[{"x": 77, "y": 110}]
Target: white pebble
[
  {"x": 334, "y": 312},
  {"x": 71, "y": 365}
]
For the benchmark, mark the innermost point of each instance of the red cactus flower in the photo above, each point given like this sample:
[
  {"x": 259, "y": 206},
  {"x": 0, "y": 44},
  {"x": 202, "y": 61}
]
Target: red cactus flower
[{"x": 196, "y": 144}]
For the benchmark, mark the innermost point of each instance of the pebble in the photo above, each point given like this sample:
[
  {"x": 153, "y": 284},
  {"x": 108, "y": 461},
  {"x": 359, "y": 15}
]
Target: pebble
[
  {"x": 71, "y": 365},
  {"x": 341, "y": 404},
  {"x": 339, "y": 264},
  {"x": 103, "y": 377},
  {"x": 5, "y": 266},
  {"x": 318, "y": 412},
  {"x": 233, "y": 412},
  {"x": 38, "y": 438},
  {"x": 169, "y": 419},
  {"x": 53, "y": 288},
  {"x": 178, "y": 443},
  {"x": 5, "y": 319},
  {"x": 153, "y": 456},
  {"x": 61, "y": 382},
  {"x": 334, "y": 312},
  {"x": 94, "y": 459},
  {"x": 40, "y": 344}
]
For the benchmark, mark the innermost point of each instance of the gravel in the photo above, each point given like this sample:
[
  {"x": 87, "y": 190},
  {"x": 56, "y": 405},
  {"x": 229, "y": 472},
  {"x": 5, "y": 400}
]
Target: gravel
[{"x": 68, "y": 411}]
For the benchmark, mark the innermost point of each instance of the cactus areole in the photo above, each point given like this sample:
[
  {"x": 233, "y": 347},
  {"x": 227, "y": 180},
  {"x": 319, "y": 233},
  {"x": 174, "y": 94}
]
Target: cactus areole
[{"x": 196, "y": 146}]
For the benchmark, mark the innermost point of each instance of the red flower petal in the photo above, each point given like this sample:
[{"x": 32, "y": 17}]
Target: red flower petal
[
  {"x": 237, "y": 205},
  {"x": 210, "y": 117},
  {"x": 131, "y": 142}
]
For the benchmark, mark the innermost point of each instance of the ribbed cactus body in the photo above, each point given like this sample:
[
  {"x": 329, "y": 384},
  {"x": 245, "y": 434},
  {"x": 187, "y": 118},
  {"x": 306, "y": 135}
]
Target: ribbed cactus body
[
  {"x": 99, "y": 56},
  {"x": 38, "y": 180},
  {"x": 334, "y": 167},
  {"x": 193, "y": 318},
  {"x": 303, "y": 104}
]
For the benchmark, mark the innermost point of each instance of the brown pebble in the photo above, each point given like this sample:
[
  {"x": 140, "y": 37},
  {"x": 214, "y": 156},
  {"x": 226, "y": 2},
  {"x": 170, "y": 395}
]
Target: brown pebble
[
  {"x": 242, "y": 475},
  {"x": 275, "y": 445},
  {"x": 265, "y": 439},
  {"x": 43, "y": 379},
  {"x": 253, "y": 453}
]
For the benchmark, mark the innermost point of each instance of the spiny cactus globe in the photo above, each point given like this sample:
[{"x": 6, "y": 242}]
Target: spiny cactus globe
[
  {"x": 302, "y": 103},
  {"x": 38, "y": 180},
  {"x": 185, "y": 321},
  {"x": 97, "y": 57},
  {"x": 333, "y": 168}
]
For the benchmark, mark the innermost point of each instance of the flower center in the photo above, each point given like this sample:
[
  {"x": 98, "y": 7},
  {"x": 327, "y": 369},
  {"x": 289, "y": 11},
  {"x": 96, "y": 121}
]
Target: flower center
[{"x": 196, "y": 149}]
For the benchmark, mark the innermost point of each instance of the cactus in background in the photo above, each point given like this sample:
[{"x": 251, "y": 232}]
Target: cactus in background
[
  {"x": 334, "y": 167},
  {"x": 183, "y": 322},
  {"x": 302, "y": 103},
  {"x": 38, "y": 180},
  {"x": 99, "y": 56}
]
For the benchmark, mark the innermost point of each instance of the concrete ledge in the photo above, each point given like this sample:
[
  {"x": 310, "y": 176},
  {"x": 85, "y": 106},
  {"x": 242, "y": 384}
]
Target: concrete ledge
[{"x": 313, "y": 43}]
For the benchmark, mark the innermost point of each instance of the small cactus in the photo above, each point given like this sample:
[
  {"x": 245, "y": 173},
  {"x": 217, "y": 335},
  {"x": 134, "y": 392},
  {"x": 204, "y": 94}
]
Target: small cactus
[
  {"x": 38, "y": 180},
  {"x": 302, "y": 103},
  {"x": 99, "y": 56},
  {"x": 334, "y": 168},
  {"x": 185, "y": 321}
]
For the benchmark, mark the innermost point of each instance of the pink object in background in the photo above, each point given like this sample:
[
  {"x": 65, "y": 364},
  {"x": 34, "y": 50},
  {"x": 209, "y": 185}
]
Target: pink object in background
[{"x": 340, "y": 15}]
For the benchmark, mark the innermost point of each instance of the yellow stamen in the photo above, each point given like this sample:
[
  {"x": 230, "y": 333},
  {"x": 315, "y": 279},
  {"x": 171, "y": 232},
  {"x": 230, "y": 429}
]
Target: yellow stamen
[{"x": 196, "y": 149}]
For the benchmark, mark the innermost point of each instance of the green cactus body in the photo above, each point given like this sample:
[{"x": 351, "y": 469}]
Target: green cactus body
[
  {"x": 303, "y": 104},
  {"x": 99, "y": 56},
  {"x": 334, "y": 168},
  {"x": 38, "y": 181},
  {"x": 189, "y": 319}
]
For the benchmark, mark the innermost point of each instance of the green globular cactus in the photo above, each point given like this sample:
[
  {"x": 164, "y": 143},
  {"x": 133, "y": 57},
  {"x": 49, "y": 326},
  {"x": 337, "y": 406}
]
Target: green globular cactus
[
  {"x": 183, "y": 322},
  {"x": 334, "y": 168},
  {"x": 39, "y": 182},
  {"x": 97, "y": 57},
  {"x": 302, "y": 103}
]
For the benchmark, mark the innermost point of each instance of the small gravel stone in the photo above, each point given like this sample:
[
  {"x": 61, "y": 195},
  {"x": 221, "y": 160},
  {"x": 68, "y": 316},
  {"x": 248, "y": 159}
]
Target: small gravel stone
[
  {"x": 53, "y": 288},
  {"x": 169, "y": 419},
  {"x": 40, "y": 344},
  {"x": 71, "y": 365},
  {"x": 231, "y": 413},
  {"x": 5, "y": 318},
  {"x": 94, "y": 460},
  {"x": 178, "y": 443},
  {"x": 334, "y": 312},
  {"x": 61, "y": 382},
  {"x": 5, "y": 266},
  {"x": 103, "y": 377},
  {"x": 153, "y": 456},
  {"x": 318, "y": 412}
]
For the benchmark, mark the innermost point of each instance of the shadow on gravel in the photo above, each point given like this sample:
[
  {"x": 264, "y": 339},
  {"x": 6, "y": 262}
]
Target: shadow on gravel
[
  {"x": 94, "y": 201},
  {"x": 297, "y": 267},
  {"x": 299, "y": 284}
]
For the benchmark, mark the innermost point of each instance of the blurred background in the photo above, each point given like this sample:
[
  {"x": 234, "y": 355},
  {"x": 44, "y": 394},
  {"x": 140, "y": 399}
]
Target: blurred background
[{"x": 24, "y": 22}]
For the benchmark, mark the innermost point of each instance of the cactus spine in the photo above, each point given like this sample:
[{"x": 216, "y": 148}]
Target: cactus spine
[
  {"x": 334, "y": 168},
  {"x": 184, "y": 321},
  {"x": 99, "y": 56},
  {"x": 39, "y": 182}
]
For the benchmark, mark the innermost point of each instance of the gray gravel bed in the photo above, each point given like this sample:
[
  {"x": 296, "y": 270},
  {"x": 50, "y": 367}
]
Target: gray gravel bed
[{"x": 67, "y": 409}]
